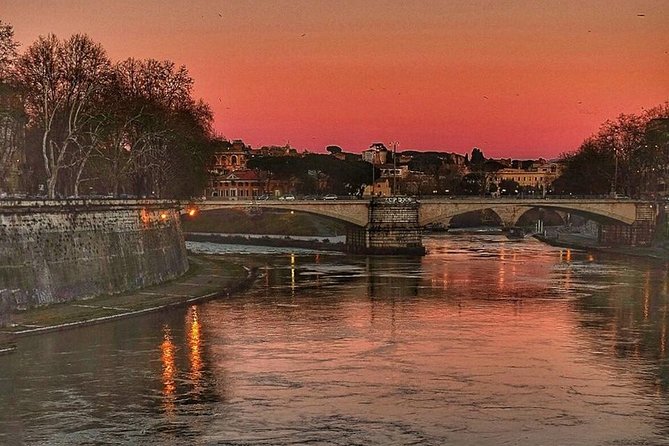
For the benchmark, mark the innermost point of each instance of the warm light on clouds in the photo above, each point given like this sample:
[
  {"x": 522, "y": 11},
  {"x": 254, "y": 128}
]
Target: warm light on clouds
[{"x": 521, "y": 78}]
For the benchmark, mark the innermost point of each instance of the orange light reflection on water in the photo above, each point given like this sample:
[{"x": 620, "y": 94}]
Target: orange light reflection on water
[
  {"x": 169, "y": 371},
  {"x": 195, "y": 342},
  {"x": 195, "y": 348}
]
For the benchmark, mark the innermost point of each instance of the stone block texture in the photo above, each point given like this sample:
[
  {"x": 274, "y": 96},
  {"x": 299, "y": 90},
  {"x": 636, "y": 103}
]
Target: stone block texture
[{"x": 54, "y": 251}]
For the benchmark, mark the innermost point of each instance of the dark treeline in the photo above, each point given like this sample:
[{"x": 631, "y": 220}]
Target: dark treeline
[
  {"x": 342, "y": 177},
  {"x": 628, "y": 156},
  {"x": 72, "y": 122}
]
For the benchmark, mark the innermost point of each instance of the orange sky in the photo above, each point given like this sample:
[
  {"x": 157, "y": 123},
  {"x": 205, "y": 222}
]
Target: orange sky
[{"x": 515, "y": 78}]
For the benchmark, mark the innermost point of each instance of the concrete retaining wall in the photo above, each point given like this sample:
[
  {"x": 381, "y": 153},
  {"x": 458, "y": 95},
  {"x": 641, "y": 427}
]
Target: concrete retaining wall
[{"x": 56, "y": 251}]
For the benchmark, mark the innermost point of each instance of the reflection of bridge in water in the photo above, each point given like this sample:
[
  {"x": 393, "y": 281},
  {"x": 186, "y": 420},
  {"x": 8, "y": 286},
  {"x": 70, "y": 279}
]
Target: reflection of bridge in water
[{"x": 393, "y": 224}]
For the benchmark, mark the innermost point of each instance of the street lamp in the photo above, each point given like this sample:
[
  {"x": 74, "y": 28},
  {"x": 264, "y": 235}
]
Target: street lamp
[
  {"x": 394, "y": 145},
  {"x": 373, "y": 179}
]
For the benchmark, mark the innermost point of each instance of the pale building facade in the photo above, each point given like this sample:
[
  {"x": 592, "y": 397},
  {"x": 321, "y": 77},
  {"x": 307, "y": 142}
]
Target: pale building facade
[{"x": 238, "y": 185}]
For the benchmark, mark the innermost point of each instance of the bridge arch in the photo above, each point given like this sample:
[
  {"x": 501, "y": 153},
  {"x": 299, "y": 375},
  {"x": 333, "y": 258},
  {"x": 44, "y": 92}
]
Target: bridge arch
[
  {"x": 549, "y": 214},
  {"x": 432, "y": 211},
  {"x": 355, "y": 212},
  {"x": 510, "y": 210}
]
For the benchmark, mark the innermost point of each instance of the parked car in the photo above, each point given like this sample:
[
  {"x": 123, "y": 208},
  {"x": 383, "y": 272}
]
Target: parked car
[
  {"x": 330, "y": 197},
  {"x": 287, "y": 197}
]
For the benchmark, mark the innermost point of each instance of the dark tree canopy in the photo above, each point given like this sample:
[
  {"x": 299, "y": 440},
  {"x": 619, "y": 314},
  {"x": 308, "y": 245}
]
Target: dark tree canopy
[
  {"x": 477, "y": 157},
  {"x": 97, "y": 127},
  {"x": 628, "y": 155},
  {"x": 343, "y": 176}
]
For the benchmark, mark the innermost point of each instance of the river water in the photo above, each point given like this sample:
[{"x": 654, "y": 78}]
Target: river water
[{"x": 484, "y": 341}]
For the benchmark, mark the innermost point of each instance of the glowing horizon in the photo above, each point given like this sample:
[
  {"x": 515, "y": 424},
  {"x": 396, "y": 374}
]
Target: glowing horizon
[{"x": 521, "y": 79}]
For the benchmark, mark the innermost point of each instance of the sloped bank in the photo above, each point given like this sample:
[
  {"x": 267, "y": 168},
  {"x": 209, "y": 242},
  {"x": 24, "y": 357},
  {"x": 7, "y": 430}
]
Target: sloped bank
[
  {"x": 286, "y": 242},
  {"x": 208, "y": 278},
  {"x": 567, "y": 241}
]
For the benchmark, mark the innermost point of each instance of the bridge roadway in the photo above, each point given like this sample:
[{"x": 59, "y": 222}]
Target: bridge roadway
[{"x": 442, "y": 210}]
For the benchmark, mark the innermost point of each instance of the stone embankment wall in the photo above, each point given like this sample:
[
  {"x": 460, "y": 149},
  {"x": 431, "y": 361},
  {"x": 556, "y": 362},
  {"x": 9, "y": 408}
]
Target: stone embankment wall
[
  {"x": 56, "y": 251},
  {"x": 639, "y": 233}
]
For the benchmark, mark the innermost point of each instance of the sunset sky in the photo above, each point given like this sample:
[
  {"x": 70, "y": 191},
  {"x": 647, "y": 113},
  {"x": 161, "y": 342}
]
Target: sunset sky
[{"x": 515, "y": 78}]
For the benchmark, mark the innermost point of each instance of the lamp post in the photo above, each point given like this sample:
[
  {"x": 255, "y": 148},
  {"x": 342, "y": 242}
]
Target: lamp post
[
  {"x": 615, "y": 173},
  {"x": 614, "y": 183},
  {"x": 394, "y": 145},
  {"x": 373, "y": 180}
]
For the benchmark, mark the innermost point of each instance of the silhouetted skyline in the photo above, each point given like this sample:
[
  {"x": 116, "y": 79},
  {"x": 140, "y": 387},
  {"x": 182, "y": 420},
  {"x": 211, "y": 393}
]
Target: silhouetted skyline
[{"x": 518, "y": 79}]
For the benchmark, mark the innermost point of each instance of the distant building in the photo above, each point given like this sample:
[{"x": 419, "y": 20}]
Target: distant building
[
  {"x": 380, "y": 188},
  {"x": 230, "y": 156},
  {"x": 390, "y": 171},
  {"x": 375, "y": 155},
  {"x": 276, "y": 151},
  {"x": 539, "y": 174},
  {"x": 237, "y": 185}
]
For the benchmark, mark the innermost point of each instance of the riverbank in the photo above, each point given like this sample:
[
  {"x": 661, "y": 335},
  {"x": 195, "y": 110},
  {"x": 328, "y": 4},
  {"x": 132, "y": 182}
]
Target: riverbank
[
  {"x": 208, "y": 277},
  {"x": 280, "y": 242},
  {"x": 575, "y": 241}
]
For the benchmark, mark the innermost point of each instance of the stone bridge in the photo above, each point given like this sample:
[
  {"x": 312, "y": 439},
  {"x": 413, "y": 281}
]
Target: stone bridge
[
  {"x": 510, "y": 210},
  {"x": 393, "y": 223},
  {"x": 442, "y": 210}
]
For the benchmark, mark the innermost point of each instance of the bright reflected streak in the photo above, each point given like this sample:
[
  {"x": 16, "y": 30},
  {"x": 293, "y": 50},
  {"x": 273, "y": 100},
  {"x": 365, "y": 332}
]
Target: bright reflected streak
[
  {"x": 169, "y": 371},
  {"x": 195, "y": 348},
  {"x": 646, "y": 296},
  {"x": 292, "y": 274}
]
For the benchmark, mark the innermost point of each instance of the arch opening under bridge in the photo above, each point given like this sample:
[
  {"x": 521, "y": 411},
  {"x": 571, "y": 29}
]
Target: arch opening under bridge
[
  {"x": 510, "y": 211},
  {"x": 353, "y": 212}
]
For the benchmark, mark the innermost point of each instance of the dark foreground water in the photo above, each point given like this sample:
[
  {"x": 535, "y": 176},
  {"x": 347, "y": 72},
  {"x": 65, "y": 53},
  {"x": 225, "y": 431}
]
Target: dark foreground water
[{"x": 484, "y": 342}]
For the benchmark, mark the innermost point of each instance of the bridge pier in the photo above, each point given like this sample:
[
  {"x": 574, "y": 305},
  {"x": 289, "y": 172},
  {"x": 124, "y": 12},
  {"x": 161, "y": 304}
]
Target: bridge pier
[{"x": 392, "y": 229}]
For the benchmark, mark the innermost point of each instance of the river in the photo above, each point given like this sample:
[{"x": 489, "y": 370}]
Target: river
[{"x": 484, "y": 341}]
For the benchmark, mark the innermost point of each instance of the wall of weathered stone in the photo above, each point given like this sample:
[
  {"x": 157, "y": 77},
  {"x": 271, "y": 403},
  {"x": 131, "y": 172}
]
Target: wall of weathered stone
[
  {"x": 392, "y": 229},
  {"x": 56, "y": 251}
]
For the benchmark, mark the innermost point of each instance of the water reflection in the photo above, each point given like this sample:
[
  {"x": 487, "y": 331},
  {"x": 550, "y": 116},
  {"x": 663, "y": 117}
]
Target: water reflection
[
  {"x": 195, "y": 344},
  {"x": 625, "y": 313},
  {"x": 483, "y": 341},
  {"x": 392, "y": 277},
  {"x": 169, "y": 371}
]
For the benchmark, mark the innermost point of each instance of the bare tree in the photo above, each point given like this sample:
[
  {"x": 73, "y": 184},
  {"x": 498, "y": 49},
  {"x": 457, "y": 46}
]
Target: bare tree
[
  {"x": 156, "y": 126},
  {"x": 62, "y": 80}
]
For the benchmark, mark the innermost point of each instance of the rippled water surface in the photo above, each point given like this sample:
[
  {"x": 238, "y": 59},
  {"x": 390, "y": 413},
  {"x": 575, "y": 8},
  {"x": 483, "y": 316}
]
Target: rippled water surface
[{"x": 483, "y": 341}]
